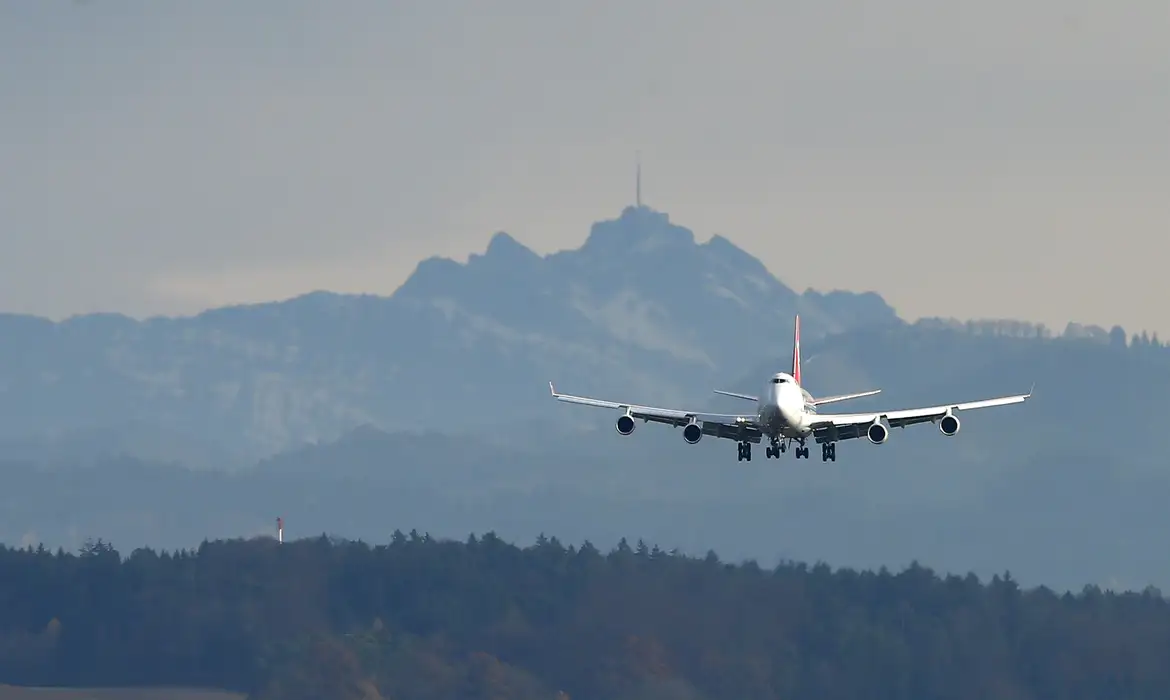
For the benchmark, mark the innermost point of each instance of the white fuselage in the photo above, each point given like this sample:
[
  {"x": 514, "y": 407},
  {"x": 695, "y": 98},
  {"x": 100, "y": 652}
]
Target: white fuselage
[{"x": 785, "y": 409}]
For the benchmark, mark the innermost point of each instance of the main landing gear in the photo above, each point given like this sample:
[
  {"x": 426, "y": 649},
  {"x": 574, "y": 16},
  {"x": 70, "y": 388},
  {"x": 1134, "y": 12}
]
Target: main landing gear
[{"x": 779, "y": 447}]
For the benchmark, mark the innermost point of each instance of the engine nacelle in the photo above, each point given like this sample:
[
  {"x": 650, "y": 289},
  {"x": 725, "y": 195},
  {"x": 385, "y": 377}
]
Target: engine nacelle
[
  {"x": 692, "y": 433},
  {"x": 949, "y": 425},
  {"x": 625, "y": 425},
  {"x": 877, "y": 432}
]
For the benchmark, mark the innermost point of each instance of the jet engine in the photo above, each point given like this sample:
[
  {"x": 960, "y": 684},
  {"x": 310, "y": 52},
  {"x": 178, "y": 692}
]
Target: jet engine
[
  {"x": 625, "y": 425},
  {"x": 949, "y": 425},
  {"x": 692, "y": 433},
  {"x": 877, "y": 432}
]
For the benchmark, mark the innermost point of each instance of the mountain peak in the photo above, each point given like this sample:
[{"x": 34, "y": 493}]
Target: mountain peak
[
  {"x": 638, "y": 229},
  {"x": 723, "y": 249},
  {"x": 504, "y": 256},
  {"x": 503, "y": 245},
  {"x": 430, "y": 277},
  {"x": 438, "y": 276}
]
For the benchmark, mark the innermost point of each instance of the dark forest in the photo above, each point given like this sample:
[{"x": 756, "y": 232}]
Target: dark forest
[{"x": 424, "y": 618}]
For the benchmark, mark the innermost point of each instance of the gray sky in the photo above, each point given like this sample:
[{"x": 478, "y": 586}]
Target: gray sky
[{"x": 992, "y": 158}]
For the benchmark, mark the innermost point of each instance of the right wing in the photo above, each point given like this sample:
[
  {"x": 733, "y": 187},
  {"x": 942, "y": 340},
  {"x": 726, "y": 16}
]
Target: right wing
[
  {"x": 844, "y": 397},
  {"x": 725, "y": 425}
]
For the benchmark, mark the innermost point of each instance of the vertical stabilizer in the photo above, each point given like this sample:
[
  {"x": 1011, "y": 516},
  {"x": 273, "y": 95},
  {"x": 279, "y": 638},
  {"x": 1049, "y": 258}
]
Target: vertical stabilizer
[{"x": 796, "y": 351}]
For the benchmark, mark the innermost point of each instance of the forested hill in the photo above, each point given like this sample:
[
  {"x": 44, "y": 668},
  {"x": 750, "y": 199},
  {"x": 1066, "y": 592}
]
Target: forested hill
[{"x": 421, "y": 618}]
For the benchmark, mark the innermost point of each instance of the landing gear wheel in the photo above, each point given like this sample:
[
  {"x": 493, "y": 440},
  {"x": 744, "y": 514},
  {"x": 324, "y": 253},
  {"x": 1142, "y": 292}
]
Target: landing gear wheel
[
  {"x": 802, "y": 452},
  {"x": 774, "y": 450},
  {"x": 829, "y": 452},
  {"x": 745, "y": 451}
]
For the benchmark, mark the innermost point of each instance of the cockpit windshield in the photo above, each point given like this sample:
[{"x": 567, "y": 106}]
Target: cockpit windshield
[{"x": 778, "y": 380}]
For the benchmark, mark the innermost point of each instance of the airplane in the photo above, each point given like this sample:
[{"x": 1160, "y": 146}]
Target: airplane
[{"x": 787, "y": 413}]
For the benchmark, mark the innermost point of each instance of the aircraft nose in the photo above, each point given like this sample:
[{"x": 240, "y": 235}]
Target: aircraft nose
[
  {"x": 790, "y": 415},
  {"x": 789, "y": 403}
]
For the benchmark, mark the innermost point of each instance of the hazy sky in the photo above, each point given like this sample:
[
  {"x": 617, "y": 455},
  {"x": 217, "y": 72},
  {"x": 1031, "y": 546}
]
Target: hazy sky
[{"x": 991, "y": 158}]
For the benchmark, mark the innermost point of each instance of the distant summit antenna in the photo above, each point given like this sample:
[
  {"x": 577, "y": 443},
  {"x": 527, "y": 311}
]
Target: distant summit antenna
[
  {"x": 638, "y": 181},
  {"x": 280, "y": 530}
]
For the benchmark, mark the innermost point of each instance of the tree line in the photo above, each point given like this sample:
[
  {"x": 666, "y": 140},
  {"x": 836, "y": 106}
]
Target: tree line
[
  {"x": 419, "y": 617},
  {"x": 1011, "y": 328}
]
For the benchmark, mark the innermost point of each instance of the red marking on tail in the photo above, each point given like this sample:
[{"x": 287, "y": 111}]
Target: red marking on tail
[{"x": 796, "y": 351}]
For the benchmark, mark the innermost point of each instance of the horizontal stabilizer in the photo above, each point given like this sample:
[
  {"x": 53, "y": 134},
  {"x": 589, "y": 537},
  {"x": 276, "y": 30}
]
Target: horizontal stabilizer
[
  {"x": 734, "y": 395},
  {"x": 844, "y": 397}
]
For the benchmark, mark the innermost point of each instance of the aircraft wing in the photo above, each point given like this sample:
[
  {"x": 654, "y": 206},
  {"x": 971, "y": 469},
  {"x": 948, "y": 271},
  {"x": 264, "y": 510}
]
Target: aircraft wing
[
  {"x": 845, "y": 426},
  {"x": 737, "y": 395},
  {"x": 725, "y": 425},
  {"x": 845, "y": 397}
]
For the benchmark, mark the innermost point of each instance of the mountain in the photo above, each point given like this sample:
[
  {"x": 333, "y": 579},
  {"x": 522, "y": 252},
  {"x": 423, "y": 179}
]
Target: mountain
[
  {"x": 428, "y": 409},
  {"x": 637, "y": 307}
]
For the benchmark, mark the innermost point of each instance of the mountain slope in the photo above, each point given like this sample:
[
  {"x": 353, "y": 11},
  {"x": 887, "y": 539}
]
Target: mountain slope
[
  {"x": 1046, "y": 489},
  {"x": 637, "y": 307}
]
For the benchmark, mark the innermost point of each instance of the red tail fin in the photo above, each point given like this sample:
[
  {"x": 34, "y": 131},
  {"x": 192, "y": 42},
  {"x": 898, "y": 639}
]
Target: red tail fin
[{"x": 796, "y": 351}]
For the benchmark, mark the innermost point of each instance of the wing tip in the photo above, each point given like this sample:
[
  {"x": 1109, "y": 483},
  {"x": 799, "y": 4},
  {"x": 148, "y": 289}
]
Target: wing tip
[{"x": 552, "y": 390}]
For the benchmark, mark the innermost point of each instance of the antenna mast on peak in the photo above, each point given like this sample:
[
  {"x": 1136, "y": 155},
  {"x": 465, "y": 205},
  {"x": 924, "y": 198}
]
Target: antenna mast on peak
[{"x": 638, "y": 181}]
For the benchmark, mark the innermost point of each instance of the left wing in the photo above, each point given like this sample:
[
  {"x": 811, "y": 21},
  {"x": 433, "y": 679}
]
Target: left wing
[
  {"x": 845, "y": 426},
  {"x": 736, "y": 395},
  {"x": 725, "y": 425}
]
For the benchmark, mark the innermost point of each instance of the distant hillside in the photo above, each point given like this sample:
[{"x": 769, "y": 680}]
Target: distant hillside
[
  {"x": 1077, "y": 375},
  {"x": 637, "y": 307},
  {"x": 1044, "y": 489}
]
